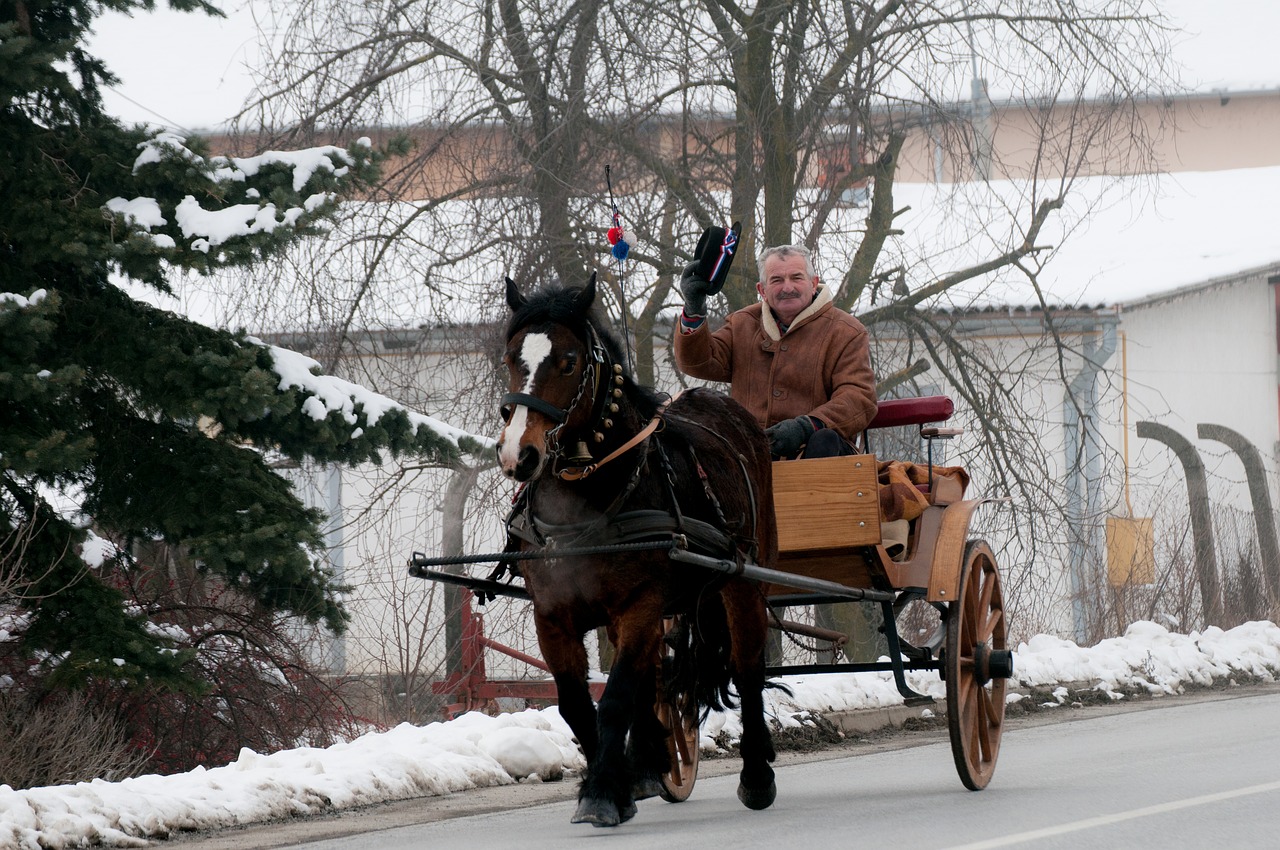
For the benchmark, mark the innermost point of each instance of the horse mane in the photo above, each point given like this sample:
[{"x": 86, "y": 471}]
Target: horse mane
[{"x": 558, "y": 304}]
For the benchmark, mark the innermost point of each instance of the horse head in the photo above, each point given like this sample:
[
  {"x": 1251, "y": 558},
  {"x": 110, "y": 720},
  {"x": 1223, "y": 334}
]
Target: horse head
[{"x": 556, "y": 364}]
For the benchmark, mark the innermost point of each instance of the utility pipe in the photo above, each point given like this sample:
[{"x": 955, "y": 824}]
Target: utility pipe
[{"x": 1083, "y": 465}]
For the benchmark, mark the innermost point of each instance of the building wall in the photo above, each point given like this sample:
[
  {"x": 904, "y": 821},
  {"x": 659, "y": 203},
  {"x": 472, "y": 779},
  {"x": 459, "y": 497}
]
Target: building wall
[
  {"x": 1204, "y": 356},
  {"x": 1202, "y": 132},
  {"x": 1210, "y": 132}
]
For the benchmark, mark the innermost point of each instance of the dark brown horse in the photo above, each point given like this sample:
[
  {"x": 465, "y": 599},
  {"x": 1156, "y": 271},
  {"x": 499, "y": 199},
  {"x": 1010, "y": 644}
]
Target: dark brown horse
[{"x": 605, "y": 462}]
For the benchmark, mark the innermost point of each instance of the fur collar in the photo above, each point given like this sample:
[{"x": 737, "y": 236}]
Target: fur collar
[{"x": 770, "y": 323}]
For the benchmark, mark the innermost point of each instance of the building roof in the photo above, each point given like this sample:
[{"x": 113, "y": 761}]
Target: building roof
[{"x": 1116, "y": 241}]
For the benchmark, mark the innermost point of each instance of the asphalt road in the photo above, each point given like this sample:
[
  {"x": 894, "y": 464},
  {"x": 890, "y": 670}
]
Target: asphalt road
[{"x": 1187, "y": 772}]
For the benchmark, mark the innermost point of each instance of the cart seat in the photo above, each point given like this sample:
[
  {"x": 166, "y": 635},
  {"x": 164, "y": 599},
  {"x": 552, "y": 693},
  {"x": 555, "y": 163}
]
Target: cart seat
[
  {"x": 828, "y": 510},
  {"x": 912, "y": 411},
  {"x": 921, "y": 411}
]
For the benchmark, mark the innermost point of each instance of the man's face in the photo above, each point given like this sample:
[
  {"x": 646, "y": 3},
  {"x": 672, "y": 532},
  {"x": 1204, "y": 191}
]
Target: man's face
[{"x": 787, "y": 287}]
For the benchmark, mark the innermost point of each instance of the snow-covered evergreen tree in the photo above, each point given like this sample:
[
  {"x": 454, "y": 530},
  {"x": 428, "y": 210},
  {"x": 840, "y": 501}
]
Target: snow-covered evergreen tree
[{"x": 130, "y": 418}]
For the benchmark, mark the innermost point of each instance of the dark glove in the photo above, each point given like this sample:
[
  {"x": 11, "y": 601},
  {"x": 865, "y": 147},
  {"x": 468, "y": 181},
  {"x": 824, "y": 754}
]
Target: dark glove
[
  {"x": 695, "y": 289},
  {"x": 789, "y": 436}
]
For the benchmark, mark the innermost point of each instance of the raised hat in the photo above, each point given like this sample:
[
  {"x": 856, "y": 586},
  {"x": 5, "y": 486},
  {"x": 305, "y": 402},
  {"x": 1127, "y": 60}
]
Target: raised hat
[{"x": 714, "y": 254}]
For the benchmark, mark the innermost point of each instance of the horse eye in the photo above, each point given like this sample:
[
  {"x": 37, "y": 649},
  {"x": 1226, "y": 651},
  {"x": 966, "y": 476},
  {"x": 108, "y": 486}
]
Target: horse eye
[
  {"x": 505, "y": 412},
  {"x": 567, "y": 367}
]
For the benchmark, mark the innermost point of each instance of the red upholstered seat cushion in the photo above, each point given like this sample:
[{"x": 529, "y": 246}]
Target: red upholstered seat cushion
[{"x": 912, "y": 411}]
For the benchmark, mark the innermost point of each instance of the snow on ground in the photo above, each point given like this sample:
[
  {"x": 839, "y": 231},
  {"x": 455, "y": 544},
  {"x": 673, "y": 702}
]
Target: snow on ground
[{"x": 477, "y": 750}]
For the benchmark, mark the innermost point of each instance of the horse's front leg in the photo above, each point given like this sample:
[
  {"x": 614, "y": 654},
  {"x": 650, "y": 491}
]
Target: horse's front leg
[
  {"x": 566, "y": 657},
  {"x": 606, "y": 795},
  {"x": 748, "y": 628}
]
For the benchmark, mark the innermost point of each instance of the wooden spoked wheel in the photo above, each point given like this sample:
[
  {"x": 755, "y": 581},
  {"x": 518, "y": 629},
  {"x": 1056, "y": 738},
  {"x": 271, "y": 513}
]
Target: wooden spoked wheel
[
  {"x": 976, "y": 666},
  {"x": 682, "y": 729}
]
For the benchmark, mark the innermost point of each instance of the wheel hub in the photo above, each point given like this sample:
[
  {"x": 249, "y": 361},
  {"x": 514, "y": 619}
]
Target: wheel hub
[
  {"x": 991, "y": 664},
  {"x": 1000, "y": 663}
]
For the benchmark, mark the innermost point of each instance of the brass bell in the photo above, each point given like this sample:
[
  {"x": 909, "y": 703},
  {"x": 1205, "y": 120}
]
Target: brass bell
[
  {"x": 580, "y": 454},
  {"x": 599, "y": 437}
]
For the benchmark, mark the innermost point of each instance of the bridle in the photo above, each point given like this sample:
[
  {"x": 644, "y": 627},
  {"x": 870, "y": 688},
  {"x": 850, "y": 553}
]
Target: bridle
[{"x": 591, "y": 385}]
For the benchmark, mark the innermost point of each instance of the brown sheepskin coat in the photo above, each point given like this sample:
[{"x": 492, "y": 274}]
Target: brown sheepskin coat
[{"x": 820, "y": 367}]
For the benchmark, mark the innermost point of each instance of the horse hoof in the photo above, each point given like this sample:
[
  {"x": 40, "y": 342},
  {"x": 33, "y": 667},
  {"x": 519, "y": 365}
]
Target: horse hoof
[
  {"x": 627, "y": 812},
  {"x": 760, "y": 798},
  {"x": 597, "y": 813},
  {"x": 643, "y": 789}
]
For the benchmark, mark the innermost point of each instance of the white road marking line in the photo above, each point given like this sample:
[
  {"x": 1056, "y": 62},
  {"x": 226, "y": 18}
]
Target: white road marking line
[{"x": 1106, "y": 820}]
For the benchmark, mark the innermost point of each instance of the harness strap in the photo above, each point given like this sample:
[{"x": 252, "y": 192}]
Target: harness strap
[
  {"x": 628, "y": 527},
  {"x": 746, "y": 480},
  {"x": 581, "y": 472}
]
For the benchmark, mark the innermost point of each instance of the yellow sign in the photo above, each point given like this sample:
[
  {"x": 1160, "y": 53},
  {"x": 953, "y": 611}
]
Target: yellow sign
[{"x": 1131, "y": 551}]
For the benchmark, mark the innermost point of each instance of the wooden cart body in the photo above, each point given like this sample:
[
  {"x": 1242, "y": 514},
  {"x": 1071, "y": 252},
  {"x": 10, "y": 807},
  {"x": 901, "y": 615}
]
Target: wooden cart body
[{"x": 829, "y": 530}]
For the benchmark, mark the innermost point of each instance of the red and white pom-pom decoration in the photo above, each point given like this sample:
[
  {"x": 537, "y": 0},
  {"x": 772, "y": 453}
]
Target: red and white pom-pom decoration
[{"x": 621, "y": 241}]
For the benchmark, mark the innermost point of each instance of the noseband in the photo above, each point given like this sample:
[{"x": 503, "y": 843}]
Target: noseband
[{"x": 533, "y": 402}]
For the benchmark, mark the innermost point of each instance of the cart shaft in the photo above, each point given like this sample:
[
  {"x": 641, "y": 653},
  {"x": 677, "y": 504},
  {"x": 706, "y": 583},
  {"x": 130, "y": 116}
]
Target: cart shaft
[{"x": 764, "y": 574}]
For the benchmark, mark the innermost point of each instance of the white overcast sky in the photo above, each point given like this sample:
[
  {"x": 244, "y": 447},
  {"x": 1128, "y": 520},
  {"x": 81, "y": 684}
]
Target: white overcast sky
[{"x": 192, "y": 72}]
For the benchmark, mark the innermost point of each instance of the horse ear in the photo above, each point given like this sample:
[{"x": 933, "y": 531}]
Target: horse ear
[
  {"x": 514, "y": 299},
  {"x": 588, "y": 295}
]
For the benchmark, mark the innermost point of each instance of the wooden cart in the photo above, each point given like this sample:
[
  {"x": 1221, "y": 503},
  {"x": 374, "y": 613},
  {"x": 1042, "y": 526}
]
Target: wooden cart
[{"x": 831, "y": 550}]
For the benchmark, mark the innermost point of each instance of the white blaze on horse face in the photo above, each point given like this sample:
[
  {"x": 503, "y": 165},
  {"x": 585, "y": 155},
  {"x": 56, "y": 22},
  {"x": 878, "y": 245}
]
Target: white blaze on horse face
[{"x": 533, "y": 351}]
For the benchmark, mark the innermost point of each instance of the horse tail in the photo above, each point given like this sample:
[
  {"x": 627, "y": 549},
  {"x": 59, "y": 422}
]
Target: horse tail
[{"x": 699, "y": 673}]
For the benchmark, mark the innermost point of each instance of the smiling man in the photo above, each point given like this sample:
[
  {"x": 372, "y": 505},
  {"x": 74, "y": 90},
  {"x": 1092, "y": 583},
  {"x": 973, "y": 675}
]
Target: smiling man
[{"x": 797, "y": 362}]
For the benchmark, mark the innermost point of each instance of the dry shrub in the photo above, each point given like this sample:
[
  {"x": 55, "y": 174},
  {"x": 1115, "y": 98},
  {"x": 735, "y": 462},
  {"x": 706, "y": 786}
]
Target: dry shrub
[
  {"x": 49, "y": 738},
  {"x": 1176, "y": 598},
  {"x": 266, "y": 689},
  {"x": 258, "y": 681},
  {"x": 60, "y": 740},
  {"x": 1244, "y": 592}
]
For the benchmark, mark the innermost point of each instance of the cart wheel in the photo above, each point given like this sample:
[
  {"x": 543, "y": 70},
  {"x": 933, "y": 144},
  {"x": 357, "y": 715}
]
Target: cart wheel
[
  {"x": 976, "y": 665},
  {"x": 682, "y": 727}
]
